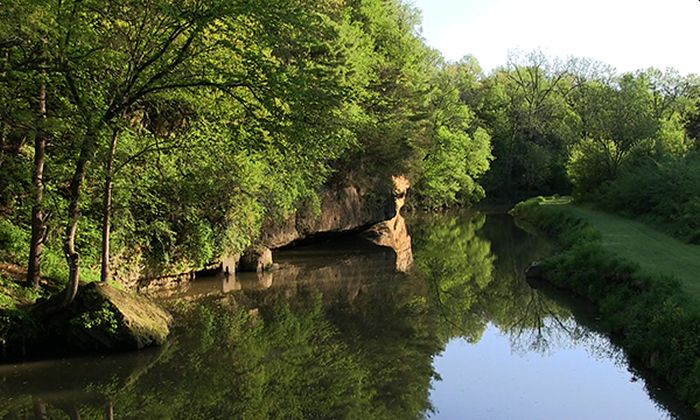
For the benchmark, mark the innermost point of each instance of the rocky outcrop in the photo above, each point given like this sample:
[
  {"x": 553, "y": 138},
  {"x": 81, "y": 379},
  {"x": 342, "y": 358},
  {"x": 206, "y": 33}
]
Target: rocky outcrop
[
  {"x": 341, "y": 210},
  {"x": 347, "y": 209},
  {"x": 393, "y": 233}
]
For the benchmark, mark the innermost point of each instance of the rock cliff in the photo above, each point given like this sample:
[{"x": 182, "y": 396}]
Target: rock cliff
[
  {"x": 393, "y": 233},
  {"x": 348, "y": 209}
]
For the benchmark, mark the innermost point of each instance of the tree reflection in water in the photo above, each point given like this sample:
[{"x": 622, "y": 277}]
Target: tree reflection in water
[
  {"x": 340, "y": 335},
  {"x": 474, "y": 266}
]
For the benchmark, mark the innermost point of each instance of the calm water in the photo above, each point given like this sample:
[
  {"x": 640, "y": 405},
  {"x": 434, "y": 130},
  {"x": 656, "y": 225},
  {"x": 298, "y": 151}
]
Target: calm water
[{"x": 340, "y": 331}]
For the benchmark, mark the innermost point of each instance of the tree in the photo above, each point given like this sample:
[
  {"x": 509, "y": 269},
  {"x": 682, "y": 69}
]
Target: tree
[
  {"x": 24, "y": 32},
  {"x": 109, "y": 64},
  {"x": 112, "y": 58},
  {"x": 532, "y": 123},
  {"x": 39, "y": 229},
  {"x": 107, "y": 207},
  {"x": 671, "y": 93},
  {"x": 457, "y": 151},
  {"x": 618, "y": 119},
  {"x": 391, "y": 73}
]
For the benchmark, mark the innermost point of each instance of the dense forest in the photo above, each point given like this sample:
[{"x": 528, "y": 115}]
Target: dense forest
[{"x": 163, "y": 134}]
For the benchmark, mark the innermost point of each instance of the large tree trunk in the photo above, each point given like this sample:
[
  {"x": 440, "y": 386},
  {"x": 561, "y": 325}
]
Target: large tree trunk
[
  {"x": 107, "y": 208},
  {"x": 86, "y": 151},
  {"x": 38, "y": 228}
]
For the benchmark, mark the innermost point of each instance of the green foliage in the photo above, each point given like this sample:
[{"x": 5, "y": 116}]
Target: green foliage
[
  {"x": 17, "y": 325},
  {"x": 14, "y": 295},
  {"x": 587, "y": 165},
  {"x": 557, "y": 125},
  {"x": 458, "y": 152},
  {"x": 618, "y": 120},
  {"x": 665, "y": 193},
  {"x": 103, "y": 318},
  {"x": 14, "y": 249},
  {"x": 526, "y": 106},
  {"x": 446, "y": 178},
  {"x": 628, "y": 121},
  {"x": 16, "y": 177},
  {"x": 672, "y": 139},
  {"x": 13, "y": 242}
]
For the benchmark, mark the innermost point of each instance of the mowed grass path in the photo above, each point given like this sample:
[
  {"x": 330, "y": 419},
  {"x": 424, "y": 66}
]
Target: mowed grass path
[{"x": 654, "y": 251}]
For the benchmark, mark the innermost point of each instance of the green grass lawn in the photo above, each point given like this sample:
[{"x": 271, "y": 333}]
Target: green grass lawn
[{"x": 654, "y": 251}]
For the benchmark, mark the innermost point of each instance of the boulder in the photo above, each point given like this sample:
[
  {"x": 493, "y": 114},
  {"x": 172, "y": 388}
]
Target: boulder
[{"x": 103, "y": 318}]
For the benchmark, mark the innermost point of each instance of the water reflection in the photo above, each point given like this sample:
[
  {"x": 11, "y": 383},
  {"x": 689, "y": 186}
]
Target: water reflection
[{"x": 338, "y": 331}]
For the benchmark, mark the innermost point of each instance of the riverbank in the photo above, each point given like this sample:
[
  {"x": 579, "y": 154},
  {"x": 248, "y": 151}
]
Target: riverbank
[
  {"x": 102, "y": 319},
  {"x": 655, "y": 314}
]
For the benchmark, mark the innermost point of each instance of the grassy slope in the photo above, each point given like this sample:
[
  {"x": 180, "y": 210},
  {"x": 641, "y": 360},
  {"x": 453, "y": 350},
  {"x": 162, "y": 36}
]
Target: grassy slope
[{"x": 654, "y": 251}]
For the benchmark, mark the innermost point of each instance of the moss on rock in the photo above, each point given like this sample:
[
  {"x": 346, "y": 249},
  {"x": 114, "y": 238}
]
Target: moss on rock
[{"x": 105, "y": 318}]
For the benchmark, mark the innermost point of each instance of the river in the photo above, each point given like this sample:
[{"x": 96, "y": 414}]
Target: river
[{"x": 348, "y": 329}]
